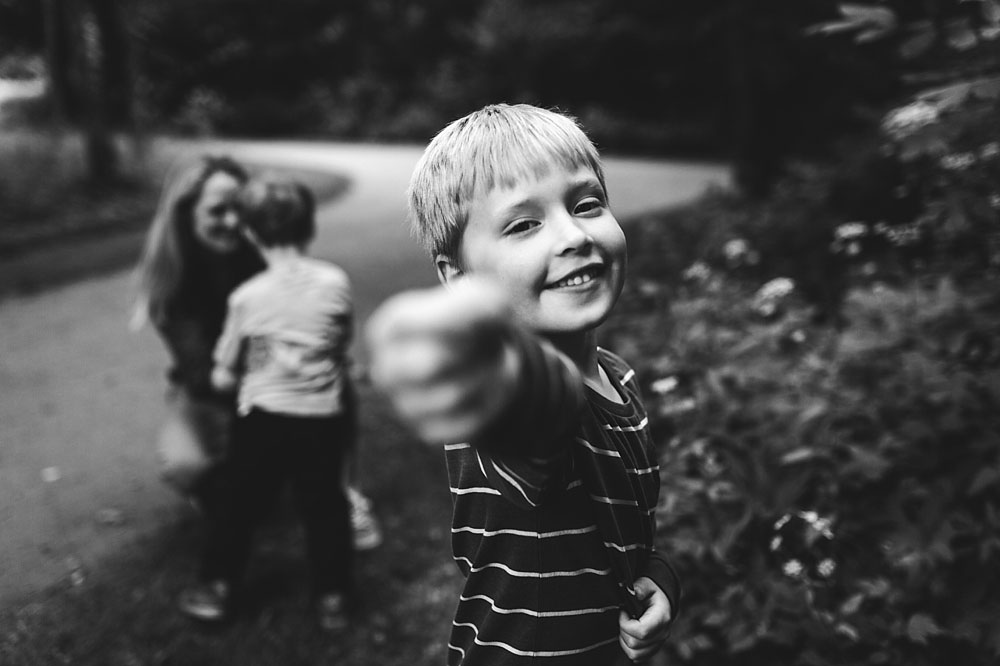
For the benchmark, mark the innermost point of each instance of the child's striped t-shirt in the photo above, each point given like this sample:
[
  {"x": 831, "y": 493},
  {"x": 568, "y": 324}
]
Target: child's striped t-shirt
[{"x": 550, "y": 546}]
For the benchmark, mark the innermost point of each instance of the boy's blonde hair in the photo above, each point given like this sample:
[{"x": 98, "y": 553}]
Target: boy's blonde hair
[{"x": 497, "y": 146}]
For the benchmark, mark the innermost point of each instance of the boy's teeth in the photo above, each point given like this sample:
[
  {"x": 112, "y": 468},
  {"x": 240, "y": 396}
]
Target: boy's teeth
[{"x": 576, "y": 280}]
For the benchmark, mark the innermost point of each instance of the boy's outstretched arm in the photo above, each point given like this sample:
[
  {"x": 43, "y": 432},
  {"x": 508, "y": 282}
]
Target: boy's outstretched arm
[
  {"x": 455, "y": 364},
  {"x": 438, "y": 354}
]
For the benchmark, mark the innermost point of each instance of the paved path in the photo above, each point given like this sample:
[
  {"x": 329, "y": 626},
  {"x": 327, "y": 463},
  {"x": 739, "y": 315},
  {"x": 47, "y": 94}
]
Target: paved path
[{"x": 81, "y": 397}]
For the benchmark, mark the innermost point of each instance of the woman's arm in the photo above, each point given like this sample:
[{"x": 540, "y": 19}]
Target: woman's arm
[{"x": 190, "y": 345}]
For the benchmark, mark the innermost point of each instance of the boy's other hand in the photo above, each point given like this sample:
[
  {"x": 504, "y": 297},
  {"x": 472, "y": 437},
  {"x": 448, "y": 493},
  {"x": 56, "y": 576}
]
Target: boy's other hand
[
  {"x": 641, "y": 637},
  {"x": 439, "y": 355}
]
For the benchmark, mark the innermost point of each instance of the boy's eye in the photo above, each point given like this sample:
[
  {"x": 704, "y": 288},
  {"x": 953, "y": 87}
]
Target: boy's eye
[
  {"x": 588, "y": 205},
  {"x": 519, "y": 227}
]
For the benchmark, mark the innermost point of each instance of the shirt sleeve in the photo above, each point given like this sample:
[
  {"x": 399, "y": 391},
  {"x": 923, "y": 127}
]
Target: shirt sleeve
[
  {"x": 229, "y": 346},
  {"x": 525, "y": 455},
  {"x": 342, "y": 333},
  {"x": 659, "y": 570}
]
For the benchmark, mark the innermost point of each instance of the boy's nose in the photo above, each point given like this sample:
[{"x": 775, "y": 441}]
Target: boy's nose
[{"x": 572, "y": 236}]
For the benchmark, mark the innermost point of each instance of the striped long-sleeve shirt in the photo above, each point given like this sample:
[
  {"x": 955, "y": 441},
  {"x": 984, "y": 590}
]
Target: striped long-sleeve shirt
[{"x": 550, "y": 545}]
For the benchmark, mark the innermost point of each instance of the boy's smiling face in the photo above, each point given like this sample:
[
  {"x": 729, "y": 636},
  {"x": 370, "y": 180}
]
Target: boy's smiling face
[{"x": 553, "y": 245}]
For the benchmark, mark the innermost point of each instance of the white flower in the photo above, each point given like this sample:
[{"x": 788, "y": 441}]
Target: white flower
[
  {"x": 776, "y": 543},
  {"x": 735, "y": 249},
  {"x": 664, "y": 385},
  {"x": 766, "y": 308},
  {"x": 958, "y": 161},
  {"x": 697, "y": 272},
  {"x": 823, "y": 526},
  {"x": 989, "y": 150},
  {"x": 781, "y": 522},
  {"x": 906, "y": 234},
  {"x": 798, "y": 336},
  {"x": 905, "y": 120},
  {"x": 679, "y": 407},
  {"x": 775, "y": 289},
  {"x": 809, "y": 516},
  {"x": 826, "y": 567},
  {"x": 850, "y": 230},
  {"x": 793, "y": 568}
]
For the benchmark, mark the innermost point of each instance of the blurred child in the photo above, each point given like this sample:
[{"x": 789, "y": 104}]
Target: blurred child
[
  {"x": 283, "y": 348},
  {"x": 553, "y": 475}
]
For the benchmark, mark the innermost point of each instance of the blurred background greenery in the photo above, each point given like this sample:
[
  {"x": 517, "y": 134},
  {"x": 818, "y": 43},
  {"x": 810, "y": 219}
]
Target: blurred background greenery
[{"x": 726, "y": 79}]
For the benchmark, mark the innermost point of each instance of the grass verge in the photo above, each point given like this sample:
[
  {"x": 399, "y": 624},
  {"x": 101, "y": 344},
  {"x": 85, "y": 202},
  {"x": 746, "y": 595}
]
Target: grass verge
[{"x": 67, "y": 229}]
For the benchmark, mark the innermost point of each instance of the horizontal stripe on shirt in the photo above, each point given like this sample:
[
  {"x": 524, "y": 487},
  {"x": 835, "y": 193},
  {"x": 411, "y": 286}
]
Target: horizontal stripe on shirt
[
  {"x": 533, "y": 613},
  {"x": 525, "y": 533},
  {"x": 483, "y": 490},
  {"x": 635, "y": 428},
  {"x": 531, "y": 653},
  {"x": 532, "y": 574}
]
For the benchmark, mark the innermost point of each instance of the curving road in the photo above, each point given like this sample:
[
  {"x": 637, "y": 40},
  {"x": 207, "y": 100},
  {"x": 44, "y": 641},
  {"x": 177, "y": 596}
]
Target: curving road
[{"x": 81, "y": 396}]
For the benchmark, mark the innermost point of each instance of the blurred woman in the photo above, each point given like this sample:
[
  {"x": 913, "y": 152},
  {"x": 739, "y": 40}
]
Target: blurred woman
[{"x": 194, "y": 257}]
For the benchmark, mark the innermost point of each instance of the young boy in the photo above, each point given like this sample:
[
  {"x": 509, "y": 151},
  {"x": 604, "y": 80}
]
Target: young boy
[
  {"x": 555, "y": 483},
  {"x": 284, "y": 347}
]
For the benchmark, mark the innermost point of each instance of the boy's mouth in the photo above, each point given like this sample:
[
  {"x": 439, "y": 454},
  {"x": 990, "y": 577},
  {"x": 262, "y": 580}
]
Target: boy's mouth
[{"x": 578, "y": 278}]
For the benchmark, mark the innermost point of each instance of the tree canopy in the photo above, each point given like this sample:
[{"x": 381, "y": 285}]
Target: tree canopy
[{"x": 728, "y": 78}]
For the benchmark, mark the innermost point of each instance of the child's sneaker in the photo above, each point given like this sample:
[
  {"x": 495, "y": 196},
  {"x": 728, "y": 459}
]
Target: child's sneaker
[
  {"x": 364, "y": 525},
  {"x": 331, "y": 611},
  {"x": 208, "y": 602}
]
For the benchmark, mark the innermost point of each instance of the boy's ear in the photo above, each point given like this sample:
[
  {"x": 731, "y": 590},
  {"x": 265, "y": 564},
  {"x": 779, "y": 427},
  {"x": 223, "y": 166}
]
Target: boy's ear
[{"x": 447, "y": 270}]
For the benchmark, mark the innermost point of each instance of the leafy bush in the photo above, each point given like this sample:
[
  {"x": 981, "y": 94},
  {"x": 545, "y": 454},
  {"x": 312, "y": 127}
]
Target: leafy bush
[
  {"x": 875, "y": 445},
  {"x": 788, "y": 234},
  {"x": 822, "y": 370},
  {"x": 45, "y": 192}
]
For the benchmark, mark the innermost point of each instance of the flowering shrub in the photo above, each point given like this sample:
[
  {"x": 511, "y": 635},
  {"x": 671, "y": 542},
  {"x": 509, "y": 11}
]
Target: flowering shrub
[
  {"x": 940, "y": 148},
  {"x": 832, "y": 496},
  {"x": 951, "y": 161},
  {"x": 822, "y": 375},
  {"x": 919, "y": 198}
]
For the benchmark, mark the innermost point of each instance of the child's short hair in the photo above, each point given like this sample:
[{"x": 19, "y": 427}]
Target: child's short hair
[
  {"x": 497, "y": 146},
  {"x": 278, "y": 211}
]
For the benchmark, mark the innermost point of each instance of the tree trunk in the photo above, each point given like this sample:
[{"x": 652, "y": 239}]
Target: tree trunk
[
  {"x": 56, "y": 43},
  {"x": 756, "y": 144},
  {"x": 102, "y": 157}
]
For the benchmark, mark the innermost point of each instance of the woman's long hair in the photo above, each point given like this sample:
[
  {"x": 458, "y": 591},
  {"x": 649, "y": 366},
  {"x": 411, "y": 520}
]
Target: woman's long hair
[{"x": 170, "y": 239}]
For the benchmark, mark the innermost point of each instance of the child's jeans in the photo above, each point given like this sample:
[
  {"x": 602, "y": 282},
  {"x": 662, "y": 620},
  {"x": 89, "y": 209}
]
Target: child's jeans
[{"x": 267, "y": 450}]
